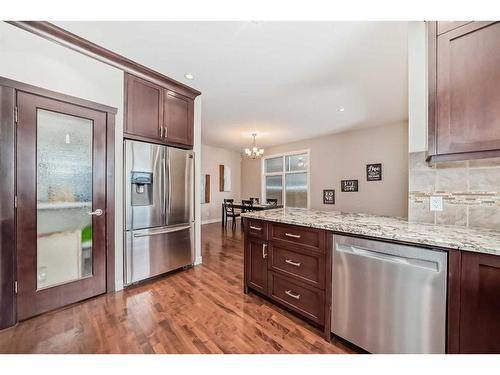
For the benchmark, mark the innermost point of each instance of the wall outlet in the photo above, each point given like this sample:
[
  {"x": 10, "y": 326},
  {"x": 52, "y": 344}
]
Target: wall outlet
[{"x": 436, "y": 203}]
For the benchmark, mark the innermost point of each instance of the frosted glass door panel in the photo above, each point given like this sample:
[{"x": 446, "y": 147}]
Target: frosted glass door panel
[
  {"x": 64, "y": 198},
  {"x": 296, "y": 190}
]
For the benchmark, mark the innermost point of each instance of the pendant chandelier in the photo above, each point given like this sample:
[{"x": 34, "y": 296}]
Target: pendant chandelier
[{"x": 254, "y": 152}]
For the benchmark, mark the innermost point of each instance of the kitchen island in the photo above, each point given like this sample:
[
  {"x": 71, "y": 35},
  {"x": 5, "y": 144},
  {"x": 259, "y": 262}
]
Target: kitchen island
[{"x": 288, "y": 258}]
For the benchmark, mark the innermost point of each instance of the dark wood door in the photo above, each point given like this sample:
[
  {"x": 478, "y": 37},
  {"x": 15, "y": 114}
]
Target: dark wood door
[
  {"x": 256, "y": 264},
  {"x": 480, "y": 304},
  {"x": 61, "y": 182},
  {"x": 468, "y": 89},
  {"x": 178, "y": 118},
  {"x": 144, "y": 108}
]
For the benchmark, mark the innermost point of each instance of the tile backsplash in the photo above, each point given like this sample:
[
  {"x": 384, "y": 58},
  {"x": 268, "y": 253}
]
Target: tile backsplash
[{"x": 470, "y": 191}]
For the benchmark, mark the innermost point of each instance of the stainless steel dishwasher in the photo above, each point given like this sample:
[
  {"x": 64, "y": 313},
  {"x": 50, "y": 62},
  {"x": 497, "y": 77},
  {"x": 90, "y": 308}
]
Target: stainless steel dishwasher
[{"x": 389, "y": 298}]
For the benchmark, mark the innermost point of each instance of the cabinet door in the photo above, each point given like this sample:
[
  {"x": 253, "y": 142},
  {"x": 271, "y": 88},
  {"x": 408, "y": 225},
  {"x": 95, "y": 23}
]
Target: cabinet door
[
  {"x": 178, "y": 118},
  {"x": 468, "y": 89},
  {"x": 256, "y": 264},
  {"x": 480, "y": 304},
  {"x": 144, "y": 114}
]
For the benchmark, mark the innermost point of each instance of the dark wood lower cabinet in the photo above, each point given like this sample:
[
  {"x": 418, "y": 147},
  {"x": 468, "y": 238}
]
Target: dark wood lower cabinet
[
  {"x": 287, "y": 263},
  {"x": 256, "y": 264},
  {"x": 297, "y": 274},
  {"x": 306, "y": 300},
  {"x": 480, "y": 303}
]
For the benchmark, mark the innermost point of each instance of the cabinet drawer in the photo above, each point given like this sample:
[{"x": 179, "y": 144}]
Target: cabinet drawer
[
  {"x": 308, "y": 267},
  {"x": 256, "y": 228},
  {"x": 307, "y": 237},
  {"x": 307, "y": 301}
]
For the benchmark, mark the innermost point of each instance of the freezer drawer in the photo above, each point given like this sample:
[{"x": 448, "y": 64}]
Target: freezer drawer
[
  {"x": 151, "y": 252},
  {"x": 389, "y": 298}
]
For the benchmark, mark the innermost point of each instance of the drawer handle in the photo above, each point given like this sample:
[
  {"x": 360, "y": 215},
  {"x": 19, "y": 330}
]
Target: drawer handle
[
  {"x": 255, "y": 228},
  {"x": 292, "y": 235},
  {"x": 296, "y": 264},
  {"x": 292, "y": 294},
  {"x": 264, "y": 252}
]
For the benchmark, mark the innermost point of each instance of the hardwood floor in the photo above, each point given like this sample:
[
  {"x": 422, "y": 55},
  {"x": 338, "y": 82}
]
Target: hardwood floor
[{"x": 201, "y": 310}]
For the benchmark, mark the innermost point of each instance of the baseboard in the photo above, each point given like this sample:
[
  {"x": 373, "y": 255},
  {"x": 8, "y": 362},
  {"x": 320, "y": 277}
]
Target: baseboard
[
  {"x": 218, "y": 220},
  {"x": 210, "y": 221}
]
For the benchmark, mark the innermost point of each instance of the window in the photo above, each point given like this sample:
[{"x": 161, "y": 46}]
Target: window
[{"x": 286, "y": 178}]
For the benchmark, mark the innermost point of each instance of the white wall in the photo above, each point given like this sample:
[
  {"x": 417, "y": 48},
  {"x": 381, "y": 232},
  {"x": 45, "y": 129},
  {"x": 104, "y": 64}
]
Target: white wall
[
  {"x": 28, "y": 58},
  {"x": 344, "y": 156},
  {"x": 417, "y": 86},
  {"x": 197, "y": 172},
  {"x": 212, "y": 157}
]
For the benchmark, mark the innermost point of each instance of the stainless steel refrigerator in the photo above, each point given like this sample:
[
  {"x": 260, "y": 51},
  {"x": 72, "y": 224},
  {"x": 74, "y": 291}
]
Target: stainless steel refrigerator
[{"x": 159, "y": 216}]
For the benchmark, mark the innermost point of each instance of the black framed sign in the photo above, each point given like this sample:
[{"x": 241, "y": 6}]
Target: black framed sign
[
  {"x": 349, "y": 185},
  {"x": 329, "y": 196},
  {"x": 374, "y": 172}
]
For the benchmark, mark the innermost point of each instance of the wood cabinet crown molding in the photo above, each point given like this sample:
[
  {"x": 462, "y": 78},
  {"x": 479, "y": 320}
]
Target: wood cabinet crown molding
[{"x": 65, "y": 38}]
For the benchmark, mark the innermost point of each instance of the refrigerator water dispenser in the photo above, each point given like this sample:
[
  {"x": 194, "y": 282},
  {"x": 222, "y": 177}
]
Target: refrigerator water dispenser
[{"x": 142, "y": 188}]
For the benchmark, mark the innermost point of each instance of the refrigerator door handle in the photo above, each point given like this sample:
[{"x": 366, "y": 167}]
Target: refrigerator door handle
[
  {"x": 163, "y": 187},
  {"x": 163, "y": 231},
  {"x": 169, "y": 185}
]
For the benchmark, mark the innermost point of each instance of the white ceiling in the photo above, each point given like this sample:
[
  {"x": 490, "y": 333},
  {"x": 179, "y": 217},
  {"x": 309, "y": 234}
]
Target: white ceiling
[{"x": 282, "y": 80}]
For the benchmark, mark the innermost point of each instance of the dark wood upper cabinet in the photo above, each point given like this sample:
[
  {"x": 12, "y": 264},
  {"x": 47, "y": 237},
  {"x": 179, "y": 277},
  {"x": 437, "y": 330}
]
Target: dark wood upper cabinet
[
  {"x": 158, "y": 113},
  {"x": 178, "y": 112},
  {"x": 144, "y": 114},
  {"x": 464, "y": 90},
  {"x": 480, "y": 303}
]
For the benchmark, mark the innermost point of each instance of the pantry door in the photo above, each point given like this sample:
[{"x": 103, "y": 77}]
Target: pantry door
[{"x": 61, "y": 202}]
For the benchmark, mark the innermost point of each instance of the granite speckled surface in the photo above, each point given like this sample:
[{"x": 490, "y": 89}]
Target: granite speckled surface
[{"x": 391, "y": 228}]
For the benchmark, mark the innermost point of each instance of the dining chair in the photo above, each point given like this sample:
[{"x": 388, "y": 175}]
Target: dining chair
[
  {"x": 230, "y": 212},
  {"x": 247, "y": 205},
  {"x": 255, "y": 200},
  {"x": 272, "y": 201}
]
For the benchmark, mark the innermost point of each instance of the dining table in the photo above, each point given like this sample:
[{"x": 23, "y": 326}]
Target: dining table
[{"x": 255, "y": 207}]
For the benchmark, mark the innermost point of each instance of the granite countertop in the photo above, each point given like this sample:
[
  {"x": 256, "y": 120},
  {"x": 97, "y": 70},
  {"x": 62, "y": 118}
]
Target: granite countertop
[{"x": 385, "y": 227}]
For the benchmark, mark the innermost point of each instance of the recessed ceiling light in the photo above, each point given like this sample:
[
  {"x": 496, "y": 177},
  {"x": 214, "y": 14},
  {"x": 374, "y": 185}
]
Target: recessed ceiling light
[
  {"x": 341, "y": 109},
  {"x": 189, "y": 76}
]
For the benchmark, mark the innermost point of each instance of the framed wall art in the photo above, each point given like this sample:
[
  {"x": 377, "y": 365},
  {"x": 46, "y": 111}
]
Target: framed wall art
[
  {"x": 374, "y": 172},
  {"x": 348, "y": 186}
]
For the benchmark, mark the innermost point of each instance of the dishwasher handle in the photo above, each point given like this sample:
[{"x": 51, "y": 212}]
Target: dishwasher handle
[{"x": 407, "y": 261}]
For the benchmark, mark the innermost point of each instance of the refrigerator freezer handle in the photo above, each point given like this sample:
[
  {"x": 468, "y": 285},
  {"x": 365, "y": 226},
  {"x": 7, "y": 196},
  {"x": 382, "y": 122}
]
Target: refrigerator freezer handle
[
  {"x": 192, "y": 205},
  {"x": 167, "y": 230}
]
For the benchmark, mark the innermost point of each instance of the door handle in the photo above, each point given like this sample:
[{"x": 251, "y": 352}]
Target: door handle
[
  {"x": 292, "y": 235},
  {"x": 292, "y": 294},
  {"x": 264, "y": 252},
  {"x": 255, "y": 228},
  {"x": 296, "y": 264},
  {"x": 165, "y": 131},
  {"x": 97, "y": 212},
  {"x": 161, "y": 131}
]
